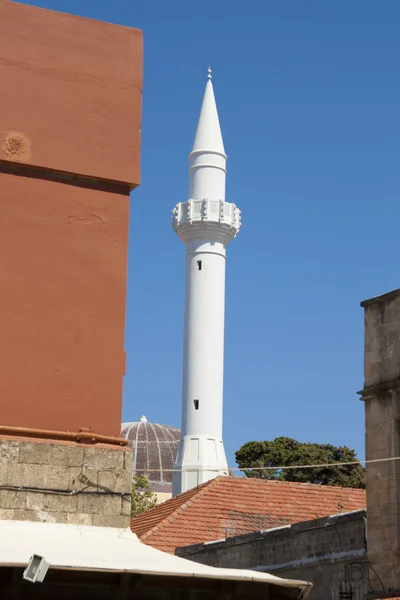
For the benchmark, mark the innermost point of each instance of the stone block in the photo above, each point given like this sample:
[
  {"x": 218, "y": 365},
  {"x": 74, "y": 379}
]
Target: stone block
[
  {"x": 52, "y": 517},
  {"x": 51, "y": 454},
  {"x": 82, "y": 478},
  {"x": 128, "y": 460},
  {"x": 372, "y": 344},
  {"x": 124, "y": 484},
  {"x": 3, "y": 473},
  {"x": 373, "y": 316},
  {"x": 99, "y": 504},
  {"x": 106, "y": 480},
  {"x": 45, "y": 477},
  {"x": 126, "y": 506},
  {"x": 40, "y": 516},
  {"x": 102, "y": 459},
  {"x": 391, "y": 312},
  {"x": 60, "y": 503},
  {"x": 7, "y": 513},
  {"x": 111, "y": 521},
  {"x": 373, "y": 356},
  {"x": 371, "y": 374},
  {"x": 12, "y": 499},
  {"x": 116, "y": 481},
  {"x": 9, "y": 451},
  {"x": 79, "y": 519},
  {"x": 26, "y": 515},
  {"x": 34, "y": 501},
  {"x": 51, "y": 502}
]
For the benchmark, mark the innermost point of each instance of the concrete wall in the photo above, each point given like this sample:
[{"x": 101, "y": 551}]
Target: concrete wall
[
  {"x": 382, "y": 418},
  {"x": 163, "y": 496},
  {"x": 329, "y": 552},
  {"x": 70, "y": 116},
  {"x": 65, "y": 483}
]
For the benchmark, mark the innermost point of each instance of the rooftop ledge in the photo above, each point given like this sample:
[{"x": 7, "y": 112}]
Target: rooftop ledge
[{"x": 380, "y": 299}]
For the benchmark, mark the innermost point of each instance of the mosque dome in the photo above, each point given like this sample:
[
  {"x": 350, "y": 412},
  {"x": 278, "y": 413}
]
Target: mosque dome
[{"x": 154, "y": 449}]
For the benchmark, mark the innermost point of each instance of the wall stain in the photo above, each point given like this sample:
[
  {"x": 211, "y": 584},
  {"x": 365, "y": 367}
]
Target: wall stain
[
  {"x": 90, "y": 219},
  {"x": 17, "y": 146}
]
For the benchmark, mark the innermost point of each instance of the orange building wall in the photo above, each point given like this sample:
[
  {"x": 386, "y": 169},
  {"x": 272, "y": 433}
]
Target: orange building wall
[
  {"x": 70, "y": 116},
  {"x": 72, "y": 88}
]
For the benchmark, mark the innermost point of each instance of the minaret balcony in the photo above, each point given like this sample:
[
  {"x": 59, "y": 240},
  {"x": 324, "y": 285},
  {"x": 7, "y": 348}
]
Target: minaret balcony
[{"x": 196, "y": 212}]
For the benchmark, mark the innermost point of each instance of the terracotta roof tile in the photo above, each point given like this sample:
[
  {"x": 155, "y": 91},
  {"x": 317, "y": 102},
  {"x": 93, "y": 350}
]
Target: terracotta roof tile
[{"x": 229, "y": 506}]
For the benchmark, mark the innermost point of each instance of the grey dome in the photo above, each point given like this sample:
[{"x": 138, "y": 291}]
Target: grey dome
[{"x": 154, "y": 449}]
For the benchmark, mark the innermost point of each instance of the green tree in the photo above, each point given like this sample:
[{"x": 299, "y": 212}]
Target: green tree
[
  {"x": 285, "y": 452},
  {"x": 143, "y": 498}
]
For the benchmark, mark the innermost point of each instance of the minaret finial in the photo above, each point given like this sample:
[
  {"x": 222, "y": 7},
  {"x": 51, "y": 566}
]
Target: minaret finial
[{"x": 209, "y": 75}]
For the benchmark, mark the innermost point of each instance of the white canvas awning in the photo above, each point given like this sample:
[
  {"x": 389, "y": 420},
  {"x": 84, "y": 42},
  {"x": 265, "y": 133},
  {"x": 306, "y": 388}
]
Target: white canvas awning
[{"x": 84, "y": 548}]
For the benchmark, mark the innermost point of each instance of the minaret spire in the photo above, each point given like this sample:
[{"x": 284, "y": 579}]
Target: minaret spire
[
  {"x": 206, "y": 224},
  {"x": 208, "y": 134}
]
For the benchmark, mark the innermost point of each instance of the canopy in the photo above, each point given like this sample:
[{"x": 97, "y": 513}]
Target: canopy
[{"x": 85, "y": 548}]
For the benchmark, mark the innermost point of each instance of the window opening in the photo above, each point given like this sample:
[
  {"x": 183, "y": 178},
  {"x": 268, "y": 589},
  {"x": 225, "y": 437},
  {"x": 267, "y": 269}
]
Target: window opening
[
  {"x": 196, "y": 404},
  {"x": 199, "y": 265}
]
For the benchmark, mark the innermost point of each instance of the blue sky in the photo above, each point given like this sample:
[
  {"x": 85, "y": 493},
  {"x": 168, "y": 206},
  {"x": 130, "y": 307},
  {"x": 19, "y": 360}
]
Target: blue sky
[{"x": 308, "y": 96}]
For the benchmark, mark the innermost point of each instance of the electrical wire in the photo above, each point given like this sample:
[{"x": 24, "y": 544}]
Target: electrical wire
[
  {"x": 108, "y": 492},
  {"x": 286, "y": 467}
]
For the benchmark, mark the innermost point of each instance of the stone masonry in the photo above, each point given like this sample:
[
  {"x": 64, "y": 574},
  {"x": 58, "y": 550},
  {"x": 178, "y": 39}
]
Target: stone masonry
[
  {"x": 329, "y": 552},
  {"x": 381, "y": 394},
  {"x": 65, "y": 483}
]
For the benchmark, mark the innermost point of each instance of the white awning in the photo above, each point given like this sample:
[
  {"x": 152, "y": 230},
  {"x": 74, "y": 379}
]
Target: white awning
[{"x": 84, "y": 548}]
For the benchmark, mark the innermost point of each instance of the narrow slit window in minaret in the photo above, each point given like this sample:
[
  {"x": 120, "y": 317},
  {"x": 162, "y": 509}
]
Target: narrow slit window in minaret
[
  {"x": 196, "y": 404},
  {"x": 199, "y": 265}
]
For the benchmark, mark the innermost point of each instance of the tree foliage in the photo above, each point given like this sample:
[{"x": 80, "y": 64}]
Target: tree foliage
[
  {"x": 143, "y": 498},
  {"x": 284, "y": 451}
]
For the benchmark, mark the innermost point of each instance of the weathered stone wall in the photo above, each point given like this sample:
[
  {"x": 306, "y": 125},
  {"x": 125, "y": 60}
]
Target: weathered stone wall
[
  {"x": 64, "y": 483},
  {"x": 329, "y": 552},
  {"x": 382, "y": 339},
  {"x": 382, "y": 418}
]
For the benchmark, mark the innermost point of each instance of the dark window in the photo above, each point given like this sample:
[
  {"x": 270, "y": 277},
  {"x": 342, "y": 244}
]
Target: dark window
[
  {"x": 199, "y": 265},
  {"x": 196, "y": 404}
]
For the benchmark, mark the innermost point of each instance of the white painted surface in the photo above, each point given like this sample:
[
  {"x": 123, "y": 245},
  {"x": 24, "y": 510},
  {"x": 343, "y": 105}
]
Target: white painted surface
[
  {"x": 206, "y": 224},
  {"x": 78, "y": 547}
]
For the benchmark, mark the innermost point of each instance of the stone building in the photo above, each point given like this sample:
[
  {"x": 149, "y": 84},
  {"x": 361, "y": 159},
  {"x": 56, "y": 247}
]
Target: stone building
[
  {"x": 381, "y": 395},
  {"x": 330, "y": 552},
  {"x": 154, "y": 449},
  {"x": 70, "y": 118}
]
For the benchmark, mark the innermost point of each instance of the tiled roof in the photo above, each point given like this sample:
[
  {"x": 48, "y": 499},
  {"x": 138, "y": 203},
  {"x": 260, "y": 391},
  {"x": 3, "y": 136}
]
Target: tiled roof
[{"x": 229, "y": 506}]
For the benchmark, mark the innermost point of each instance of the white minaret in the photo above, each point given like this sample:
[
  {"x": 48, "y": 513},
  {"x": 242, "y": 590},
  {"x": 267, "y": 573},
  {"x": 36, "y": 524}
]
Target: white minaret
[{"x": 206, "y": 224}]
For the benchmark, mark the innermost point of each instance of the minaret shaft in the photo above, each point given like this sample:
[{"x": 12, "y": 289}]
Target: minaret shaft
[
  {"x": 203, "y": 349},
  {"x": 207, "y": 175},
  {"x": 206, "y": 224}
]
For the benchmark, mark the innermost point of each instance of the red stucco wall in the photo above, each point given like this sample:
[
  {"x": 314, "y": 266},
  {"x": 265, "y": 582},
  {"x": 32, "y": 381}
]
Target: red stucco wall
[
  {"x": 70, "y": 113},
  {"x": 72, "y": 88}
]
